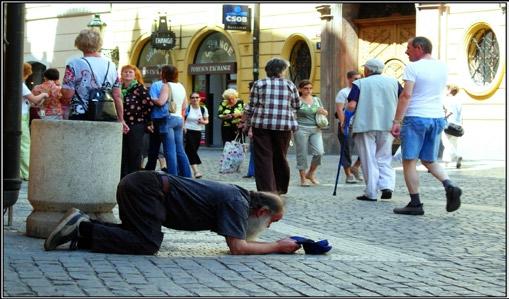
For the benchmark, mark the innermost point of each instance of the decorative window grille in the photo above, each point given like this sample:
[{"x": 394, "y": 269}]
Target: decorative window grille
[
  {"x": 300, "y": 62},
  {"x": 483, "y": 56}
]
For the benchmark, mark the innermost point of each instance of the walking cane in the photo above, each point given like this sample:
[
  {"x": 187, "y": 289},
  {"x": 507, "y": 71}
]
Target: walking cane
[{"x": 348, "y": 116}]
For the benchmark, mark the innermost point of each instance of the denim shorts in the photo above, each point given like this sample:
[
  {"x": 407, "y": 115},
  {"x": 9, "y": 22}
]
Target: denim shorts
[{"x": 420, "y": 138}]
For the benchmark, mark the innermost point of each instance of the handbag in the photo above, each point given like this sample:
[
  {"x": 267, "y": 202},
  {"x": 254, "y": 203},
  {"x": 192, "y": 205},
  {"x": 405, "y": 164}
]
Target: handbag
[
  {"x": 101, "y": 106},
  {"x": 454, "y": 130},
  {"x": 172, "y": 106},
  {"x": 321, "y": 120},
  {"x": 233, "y": 156}
]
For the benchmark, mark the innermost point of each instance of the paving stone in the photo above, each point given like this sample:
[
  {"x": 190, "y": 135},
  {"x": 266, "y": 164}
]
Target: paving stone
[{"x": 375, "y": 252}]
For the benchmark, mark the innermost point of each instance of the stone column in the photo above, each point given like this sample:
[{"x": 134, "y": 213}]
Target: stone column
[
  {"x": 72, "y": 164},
  {"x": 329, "y": 69}
]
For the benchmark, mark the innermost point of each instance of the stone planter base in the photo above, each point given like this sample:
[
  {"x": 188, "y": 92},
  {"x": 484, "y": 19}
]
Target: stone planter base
[{"x": 72, "y": 164}]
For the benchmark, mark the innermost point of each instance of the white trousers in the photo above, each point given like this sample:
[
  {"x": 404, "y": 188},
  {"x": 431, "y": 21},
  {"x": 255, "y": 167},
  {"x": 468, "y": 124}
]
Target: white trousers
[
  {"x": 451, "y": 150},
  {"x": 375, "y": 151}
]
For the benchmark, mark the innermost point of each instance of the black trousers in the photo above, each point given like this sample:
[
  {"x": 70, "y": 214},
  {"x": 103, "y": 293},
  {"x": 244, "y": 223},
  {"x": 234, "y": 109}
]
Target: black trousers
[
  {"x": 142, "y": 211},
  {"x": 192, "y": 141},
  {"x": 228, "y": 133},
  {"x": 132, "y": 148},
  {"x": 272, "y": 171},
  {"x": 346, "y": 146}
]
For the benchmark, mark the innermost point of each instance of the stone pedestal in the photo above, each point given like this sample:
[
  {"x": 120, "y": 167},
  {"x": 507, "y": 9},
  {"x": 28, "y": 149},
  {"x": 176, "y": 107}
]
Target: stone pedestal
[{"x": 72, "y": 164}]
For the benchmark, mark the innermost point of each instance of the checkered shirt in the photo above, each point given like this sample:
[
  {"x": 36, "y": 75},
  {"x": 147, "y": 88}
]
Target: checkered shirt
[{"x": 273, "y": 102}]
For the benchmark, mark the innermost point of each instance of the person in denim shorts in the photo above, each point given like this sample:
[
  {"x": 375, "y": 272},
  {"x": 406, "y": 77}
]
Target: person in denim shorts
[{"x": 420, "y": 104}]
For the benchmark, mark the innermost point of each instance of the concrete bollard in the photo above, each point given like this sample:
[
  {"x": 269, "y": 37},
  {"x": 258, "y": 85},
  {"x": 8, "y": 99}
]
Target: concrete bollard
[{"x": 72, "y": 164}]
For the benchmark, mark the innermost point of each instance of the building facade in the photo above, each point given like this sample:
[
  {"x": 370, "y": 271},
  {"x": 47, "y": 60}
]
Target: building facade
[{"x": 322, "y": 42}]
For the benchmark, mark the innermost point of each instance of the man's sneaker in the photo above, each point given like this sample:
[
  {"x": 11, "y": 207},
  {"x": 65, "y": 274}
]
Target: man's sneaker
[
  {"x": 410, "y": 210},
  {"x": 386, "y": 194},
  {"x": 66, "y": 230},
  {"x": 364, "y": 197},
  {"x": 452, "y": 193},
  {"x": 350, "y": 180},
  {"x": 458, "y": 162},
  {"x": 357, "y": 174}
]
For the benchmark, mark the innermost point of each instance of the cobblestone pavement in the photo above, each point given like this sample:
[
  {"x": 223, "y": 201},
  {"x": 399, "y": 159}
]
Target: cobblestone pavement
[{"x": 375, "y": 252}]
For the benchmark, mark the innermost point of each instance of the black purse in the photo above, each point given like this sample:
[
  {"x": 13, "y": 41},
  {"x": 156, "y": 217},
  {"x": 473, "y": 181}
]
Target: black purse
[
  {"x": 101, "y": 106},
  {"x": 454, "y": 130}
]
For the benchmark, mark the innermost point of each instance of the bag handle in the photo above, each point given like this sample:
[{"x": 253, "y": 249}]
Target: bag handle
[
  {"x": 92, "y": 71},
  {"x": 239, "y": 137},
  {"x": 170, "y": 93}
]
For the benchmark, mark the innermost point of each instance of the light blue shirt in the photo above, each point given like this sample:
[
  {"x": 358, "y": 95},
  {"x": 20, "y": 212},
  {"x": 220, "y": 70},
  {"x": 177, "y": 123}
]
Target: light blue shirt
[{"x": 158, "y": 111}]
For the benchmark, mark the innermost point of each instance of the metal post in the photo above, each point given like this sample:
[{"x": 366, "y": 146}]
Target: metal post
[
  {"x": 256, "y": 42},
  {"x": 12, "y": 64}
]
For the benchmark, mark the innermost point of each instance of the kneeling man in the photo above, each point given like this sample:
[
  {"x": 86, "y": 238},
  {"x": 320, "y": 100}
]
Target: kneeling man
[{"x": 148, "y": 200}]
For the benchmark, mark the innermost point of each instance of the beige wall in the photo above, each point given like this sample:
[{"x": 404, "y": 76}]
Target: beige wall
[
  {"x": 51, "y": 29},
  {"x": 484, "y": 108}
]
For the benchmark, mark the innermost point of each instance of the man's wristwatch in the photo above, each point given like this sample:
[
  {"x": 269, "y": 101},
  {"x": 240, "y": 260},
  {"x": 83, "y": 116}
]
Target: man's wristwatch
[{"x": 397, "y": 121}]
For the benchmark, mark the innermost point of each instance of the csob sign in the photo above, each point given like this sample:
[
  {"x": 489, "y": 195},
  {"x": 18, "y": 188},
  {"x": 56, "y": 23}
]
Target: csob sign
[{"x": 237, "y": 17}]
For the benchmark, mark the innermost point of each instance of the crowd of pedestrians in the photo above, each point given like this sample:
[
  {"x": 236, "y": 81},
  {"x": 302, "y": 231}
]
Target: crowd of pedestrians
[{"x": 276, "y": 112}]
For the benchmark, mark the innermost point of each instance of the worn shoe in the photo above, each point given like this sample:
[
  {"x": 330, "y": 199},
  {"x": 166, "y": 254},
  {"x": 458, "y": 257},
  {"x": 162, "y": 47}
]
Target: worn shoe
[
  {"x": 357, "y": 174},
  {"x": 410, "y": 210},
  {"x": 66, "y": 230},
  {"x": 364, "y": 197},
  {"x": 350, "y": 180},
  {"x": 386, "y": 194},
  {"x": 453, "y": 193},
  {"x": 458, "y": 162}
]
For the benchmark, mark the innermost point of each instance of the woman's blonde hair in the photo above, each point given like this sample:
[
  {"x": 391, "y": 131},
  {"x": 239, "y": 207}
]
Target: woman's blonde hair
[
  {"x": 230, "y": 92},
  {"x": 27, "y": 70},
  {"x": 88, "y": 40},
  {"x": 137, "y": 72}
]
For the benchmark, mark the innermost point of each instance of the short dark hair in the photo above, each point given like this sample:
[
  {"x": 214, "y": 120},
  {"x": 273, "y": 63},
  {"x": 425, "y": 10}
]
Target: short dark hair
[
  {"x": 350, "y": 74},
  {"x": 169, "y": 73},
  {"x": 51, "y": 74},
  {"x": 423, "y": 43},
  {"x": 275, "y": 67},
  {"x": 261, "y": 199}
]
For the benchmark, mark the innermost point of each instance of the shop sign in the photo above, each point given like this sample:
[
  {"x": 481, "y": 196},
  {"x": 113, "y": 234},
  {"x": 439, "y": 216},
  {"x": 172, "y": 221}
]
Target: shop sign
[
  {"x": 213, "y": 68},
  {"x": 163, "y": 40},
  {"x": 237, "y": 17}
]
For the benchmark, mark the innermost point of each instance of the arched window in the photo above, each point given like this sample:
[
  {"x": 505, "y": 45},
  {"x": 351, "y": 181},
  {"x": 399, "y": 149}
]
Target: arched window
[
  {"x": 300, "y": 62},
  {"x": 151, "y": 60},
  {"x": 483, "y": 56}
]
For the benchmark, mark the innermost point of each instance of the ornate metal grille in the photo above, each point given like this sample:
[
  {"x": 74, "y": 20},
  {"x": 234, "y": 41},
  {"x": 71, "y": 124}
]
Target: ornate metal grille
[
  {"x": 483, "y": 56},
  {"x": 300, "y": 62}
]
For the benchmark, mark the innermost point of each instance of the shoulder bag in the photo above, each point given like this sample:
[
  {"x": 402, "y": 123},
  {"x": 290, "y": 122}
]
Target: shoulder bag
[
  {"x": 101, "y": 106},
  {"x": 454, "y": 130},
  {"x": 321, "y": 120},
  {"x": 172, "y": 106}
]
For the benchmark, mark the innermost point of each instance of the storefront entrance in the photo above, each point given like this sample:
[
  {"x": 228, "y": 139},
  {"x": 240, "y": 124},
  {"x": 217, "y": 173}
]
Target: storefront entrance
[{"x": 214, "y": 71}]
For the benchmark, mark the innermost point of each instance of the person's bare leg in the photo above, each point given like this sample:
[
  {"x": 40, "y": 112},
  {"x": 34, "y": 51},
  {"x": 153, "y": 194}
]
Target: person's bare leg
[
  {"x": 411, "y": 176},
  {"x": 311, "y": 174},
  {"x": 303, "y": 179},
  {"x": 436, "y": 170}
]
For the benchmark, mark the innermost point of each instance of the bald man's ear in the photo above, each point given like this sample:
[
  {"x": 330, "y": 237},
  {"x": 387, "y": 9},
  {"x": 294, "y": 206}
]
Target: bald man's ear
[{"x": 264, "y": 211}]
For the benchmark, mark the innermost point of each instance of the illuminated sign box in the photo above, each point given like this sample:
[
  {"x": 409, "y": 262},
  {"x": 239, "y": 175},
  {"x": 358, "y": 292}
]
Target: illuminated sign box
[{"x": 237, "y": 17}]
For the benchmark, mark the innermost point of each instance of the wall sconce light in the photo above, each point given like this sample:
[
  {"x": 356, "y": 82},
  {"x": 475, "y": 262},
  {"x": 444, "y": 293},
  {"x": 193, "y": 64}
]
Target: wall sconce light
[
  {"x": 162, "y": 38},
  {"x": 97, "y": 24}
]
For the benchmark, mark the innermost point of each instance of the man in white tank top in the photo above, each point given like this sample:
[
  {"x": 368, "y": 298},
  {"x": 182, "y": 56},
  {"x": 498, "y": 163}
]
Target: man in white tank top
[{"x": 420, "y": 120}]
